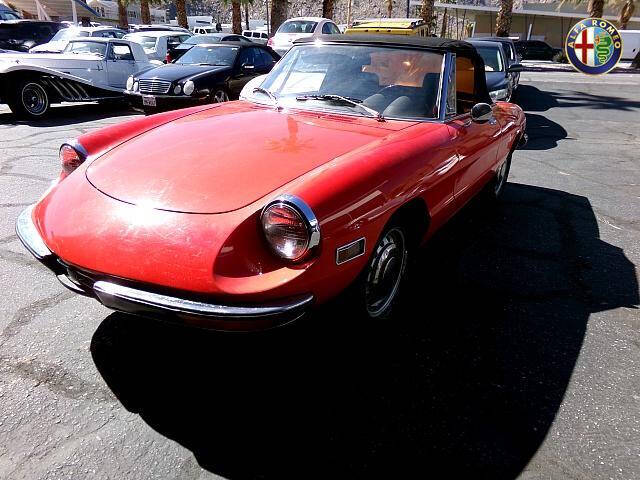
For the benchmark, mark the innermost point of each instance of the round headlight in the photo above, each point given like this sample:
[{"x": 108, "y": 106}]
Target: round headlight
[
  {"x": 135, "y": 86},
  {"x": 189, "y": 87},
  {"x": 177, "y": 90},
  {"x": 290, "y": 227},
  {"x": 129, "y": 83}
]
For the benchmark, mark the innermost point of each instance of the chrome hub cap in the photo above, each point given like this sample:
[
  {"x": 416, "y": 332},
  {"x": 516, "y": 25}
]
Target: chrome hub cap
[
  {"x": 220, "y": 96},
  {"x": 385, "y": 272},
  {"x": 34, "y": 99}
]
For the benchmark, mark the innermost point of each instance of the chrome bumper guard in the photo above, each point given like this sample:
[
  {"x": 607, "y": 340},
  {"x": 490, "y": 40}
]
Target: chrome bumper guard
[{"x": 151, "y": 304}]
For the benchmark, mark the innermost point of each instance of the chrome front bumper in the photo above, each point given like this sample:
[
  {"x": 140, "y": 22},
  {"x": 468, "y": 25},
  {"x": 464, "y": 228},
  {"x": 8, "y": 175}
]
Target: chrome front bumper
[{"x": 114, "y": 294}]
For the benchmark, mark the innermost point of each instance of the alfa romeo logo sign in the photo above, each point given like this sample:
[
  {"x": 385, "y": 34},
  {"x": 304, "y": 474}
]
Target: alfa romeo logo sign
[{"x": 593, "y": 46}]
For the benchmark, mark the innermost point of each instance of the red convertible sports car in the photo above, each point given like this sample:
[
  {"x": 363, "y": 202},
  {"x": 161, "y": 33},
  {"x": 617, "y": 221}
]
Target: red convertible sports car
[{"x": 350, "y": 154}]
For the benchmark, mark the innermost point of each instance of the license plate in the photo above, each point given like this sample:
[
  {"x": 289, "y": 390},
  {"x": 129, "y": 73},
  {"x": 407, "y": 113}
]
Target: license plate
[{"x": 148, "y": 101}]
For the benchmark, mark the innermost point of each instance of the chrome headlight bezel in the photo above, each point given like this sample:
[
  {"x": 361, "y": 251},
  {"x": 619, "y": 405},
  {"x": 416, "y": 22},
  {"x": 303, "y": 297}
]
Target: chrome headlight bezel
[
  {"x": 189, "y": 87},
  {"x": 130, "y": 83},
  {"x": 312, "y": 227}
]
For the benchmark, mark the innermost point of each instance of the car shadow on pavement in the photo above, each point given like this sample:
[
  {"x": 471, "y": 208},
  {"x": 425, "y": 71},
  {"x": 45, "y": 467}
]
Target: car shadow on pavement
[
  {"x": 532, "y": 99},
  {"x": 543, "y": 133},
  {"x": 62, "y": 115},
  {"x": 466, "y": 378}
]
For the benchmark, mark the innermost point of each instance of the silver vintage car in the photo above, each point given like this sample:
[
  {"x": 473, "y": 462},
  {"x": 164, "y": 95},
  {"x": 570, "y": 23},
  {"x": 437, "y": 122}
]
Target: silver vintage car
[{"x": 88, "y": 69}]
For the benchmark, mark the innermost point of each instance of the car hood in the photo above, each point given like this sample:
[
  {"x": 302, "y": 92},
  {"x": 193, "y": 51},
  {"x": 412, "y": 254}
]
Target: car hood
[
  {"x": 173, "y": 71},
  {"x": 288, "y": 38},
  {"x": 224, "y": 158},
  {"x": 496, "y": 80},
  {"x": 54, "y": 47}
]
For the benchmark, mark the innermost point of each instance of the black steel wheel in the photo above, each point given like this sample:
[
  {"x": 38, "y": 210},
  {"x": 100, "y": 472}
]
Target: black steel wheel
[
  {"x": 382, "y": 278},
  {"x": 30, "y": 100}
]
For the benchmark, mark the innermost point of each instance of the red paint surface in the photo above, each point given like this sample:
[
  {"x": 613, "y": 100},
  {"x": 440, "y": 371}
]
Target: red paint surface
[{"x": 353, "y": 172}]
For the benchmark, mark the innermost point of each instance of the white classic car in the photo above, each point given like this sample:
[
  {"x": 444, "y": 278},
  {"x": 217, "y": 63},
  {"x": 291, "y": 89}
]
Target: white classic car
[{"x": 88, "y": 69}]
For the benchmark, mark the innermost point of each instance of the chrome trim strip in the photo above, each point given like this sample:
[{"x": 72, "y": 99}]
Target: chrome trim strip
[
  {"x": 344, "y": 247},
  {"x": 111, "y": 295},
  {"x": 29, "y": 235}
]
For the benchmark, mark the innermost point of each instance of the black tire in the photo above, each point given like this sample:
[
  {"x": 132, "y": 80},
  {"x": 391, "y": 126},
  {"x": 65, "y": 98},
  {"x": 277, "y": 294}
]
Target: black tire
[
  {"x": 380, "y": 283},
  {"x": 495, "y": 188},
  {"x": 219, "y": 95},
  {"x": 30, "y": 100}
]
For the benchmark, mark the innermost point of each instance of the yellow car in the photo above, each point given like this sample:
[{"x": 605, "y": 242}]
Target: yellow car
[{"x": 392, "y": 26}]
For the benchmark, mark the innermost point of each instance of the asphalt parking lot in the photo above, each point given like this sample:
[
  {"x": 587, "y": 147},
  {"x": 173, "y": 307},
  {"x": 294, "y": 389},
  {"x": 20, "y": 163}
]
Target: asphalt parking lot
[{"x": 516, "y": 355}]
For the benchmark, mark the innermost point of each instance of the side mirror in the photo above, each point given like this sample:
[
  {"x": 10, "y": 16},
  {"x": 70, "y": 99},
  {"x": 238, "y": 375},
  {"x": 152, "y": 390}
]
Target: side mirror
[
  {"x": 515, "y": 68},
  {"x": 481, "y": 112}
]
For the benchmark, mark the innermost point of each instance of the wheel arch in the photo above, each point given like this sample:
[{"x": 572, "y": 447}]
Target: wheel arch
[{"x": 414, "y": 216}]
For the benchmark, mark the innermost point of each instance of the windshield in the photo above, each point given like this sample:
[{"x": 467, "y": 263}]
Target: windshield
[
  {"x": 8, "y": 16},
  {"x": 200, "y": 39},
  {"x": 144, "y": 40},
  {"x": 298, "y": 26},
  {"x": 95, "y": 48},
  {"x": 492, "y": 59},
  {"x": 212, "y": 55},
  {"x": 69, "y": 33},
  {"x": 395, "y": 82}
]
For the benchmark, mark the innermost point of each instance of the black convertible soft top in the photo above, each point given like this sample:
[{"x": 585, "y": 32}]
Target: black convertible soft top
[{"x": 459, "y": 47}]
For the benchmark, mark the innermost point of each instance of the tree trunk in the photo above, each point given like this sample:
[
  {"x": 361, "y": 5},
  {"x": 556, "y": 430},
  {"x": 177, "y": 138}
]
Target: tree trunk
[
  {"x": 145, "y": 13},
  {"x": 503, "y": 21},
  {"x": 595, "y": 8},
  {"x": 426, "y": 13},
  {"x": 349, "y": 13},
  {"x": 123, "y": 21},
  {"x": 278, "y": 14},
  {"x": 389, "y": 8},
  {"x": 443, "y": 31},
  {"x": 635, "y": 63},
  {"x": 236, "y": 17},
  {"x": 327, "y": 8},
  {"x": 626, "y": 13},
  {"x": 181, "y": 13},
  {"x": 246, "y": 15}
]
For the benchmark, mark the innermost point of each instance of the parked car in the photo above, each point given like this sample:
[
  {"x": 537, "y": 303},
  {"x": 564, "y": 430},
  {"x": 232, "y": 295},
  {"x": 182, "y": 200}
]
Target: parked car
[
  {"x": 8, "y": 14},
  {"x": 88, "y": 69},
  {"x": 22, "y": 35},
  {"x": 301, "y": 27},
  {"x": 499, "y": 73},
  {"x": 389, "y": 26},
  {"x": 60, "y": 40},
  {"x": 246, "y": 214},
  {"x": 204, "y": 29},
  {"x": 535, "y": 50},
  {"x": 509, "y": 49},
  {"x": 257, "y": 36},
  {"x": 157, "y": 43},
  {"x": 210, "y": 73},
  {"x": 179, "y": 50},
  {"x": 156, "y": 28}
]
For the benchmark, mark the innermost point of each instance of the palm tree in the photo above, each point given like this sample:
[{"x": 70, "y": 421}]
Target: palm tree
[
  {"x": 390, "y": 8},
  {"x": 327, "y": 8},
  {"x": 595, "y": 8},
  {"x": 503, "y": 21},
  {"x": 246, "y": 14},
  {"x": 145, "y": 13},
  {"x": 236, "y": 17},
  {"x": 181, "y": 13},
  {"x": 278, "y": 14},
  {"x": 123, "y": 21},
  {"x": 626, "y": 13},
  {"x": 427, "y": 13}
]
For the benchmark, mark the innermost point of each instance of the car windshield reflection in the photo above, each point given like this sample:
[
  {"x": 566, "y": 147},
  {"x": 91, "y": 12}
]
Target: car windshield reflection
[
  {"x": 92, "y": 48},
  {"x": 209, "y": 55},
  {"x": 396, "y": 82}
]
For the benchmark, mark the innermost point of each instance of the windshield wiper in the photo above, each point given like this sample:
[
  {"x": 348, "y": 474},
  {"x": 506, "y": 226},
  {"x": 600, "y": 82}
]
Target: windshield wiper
[
  {"x": 354, "y": 102},
  {"x": 268, "y": 93}
]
